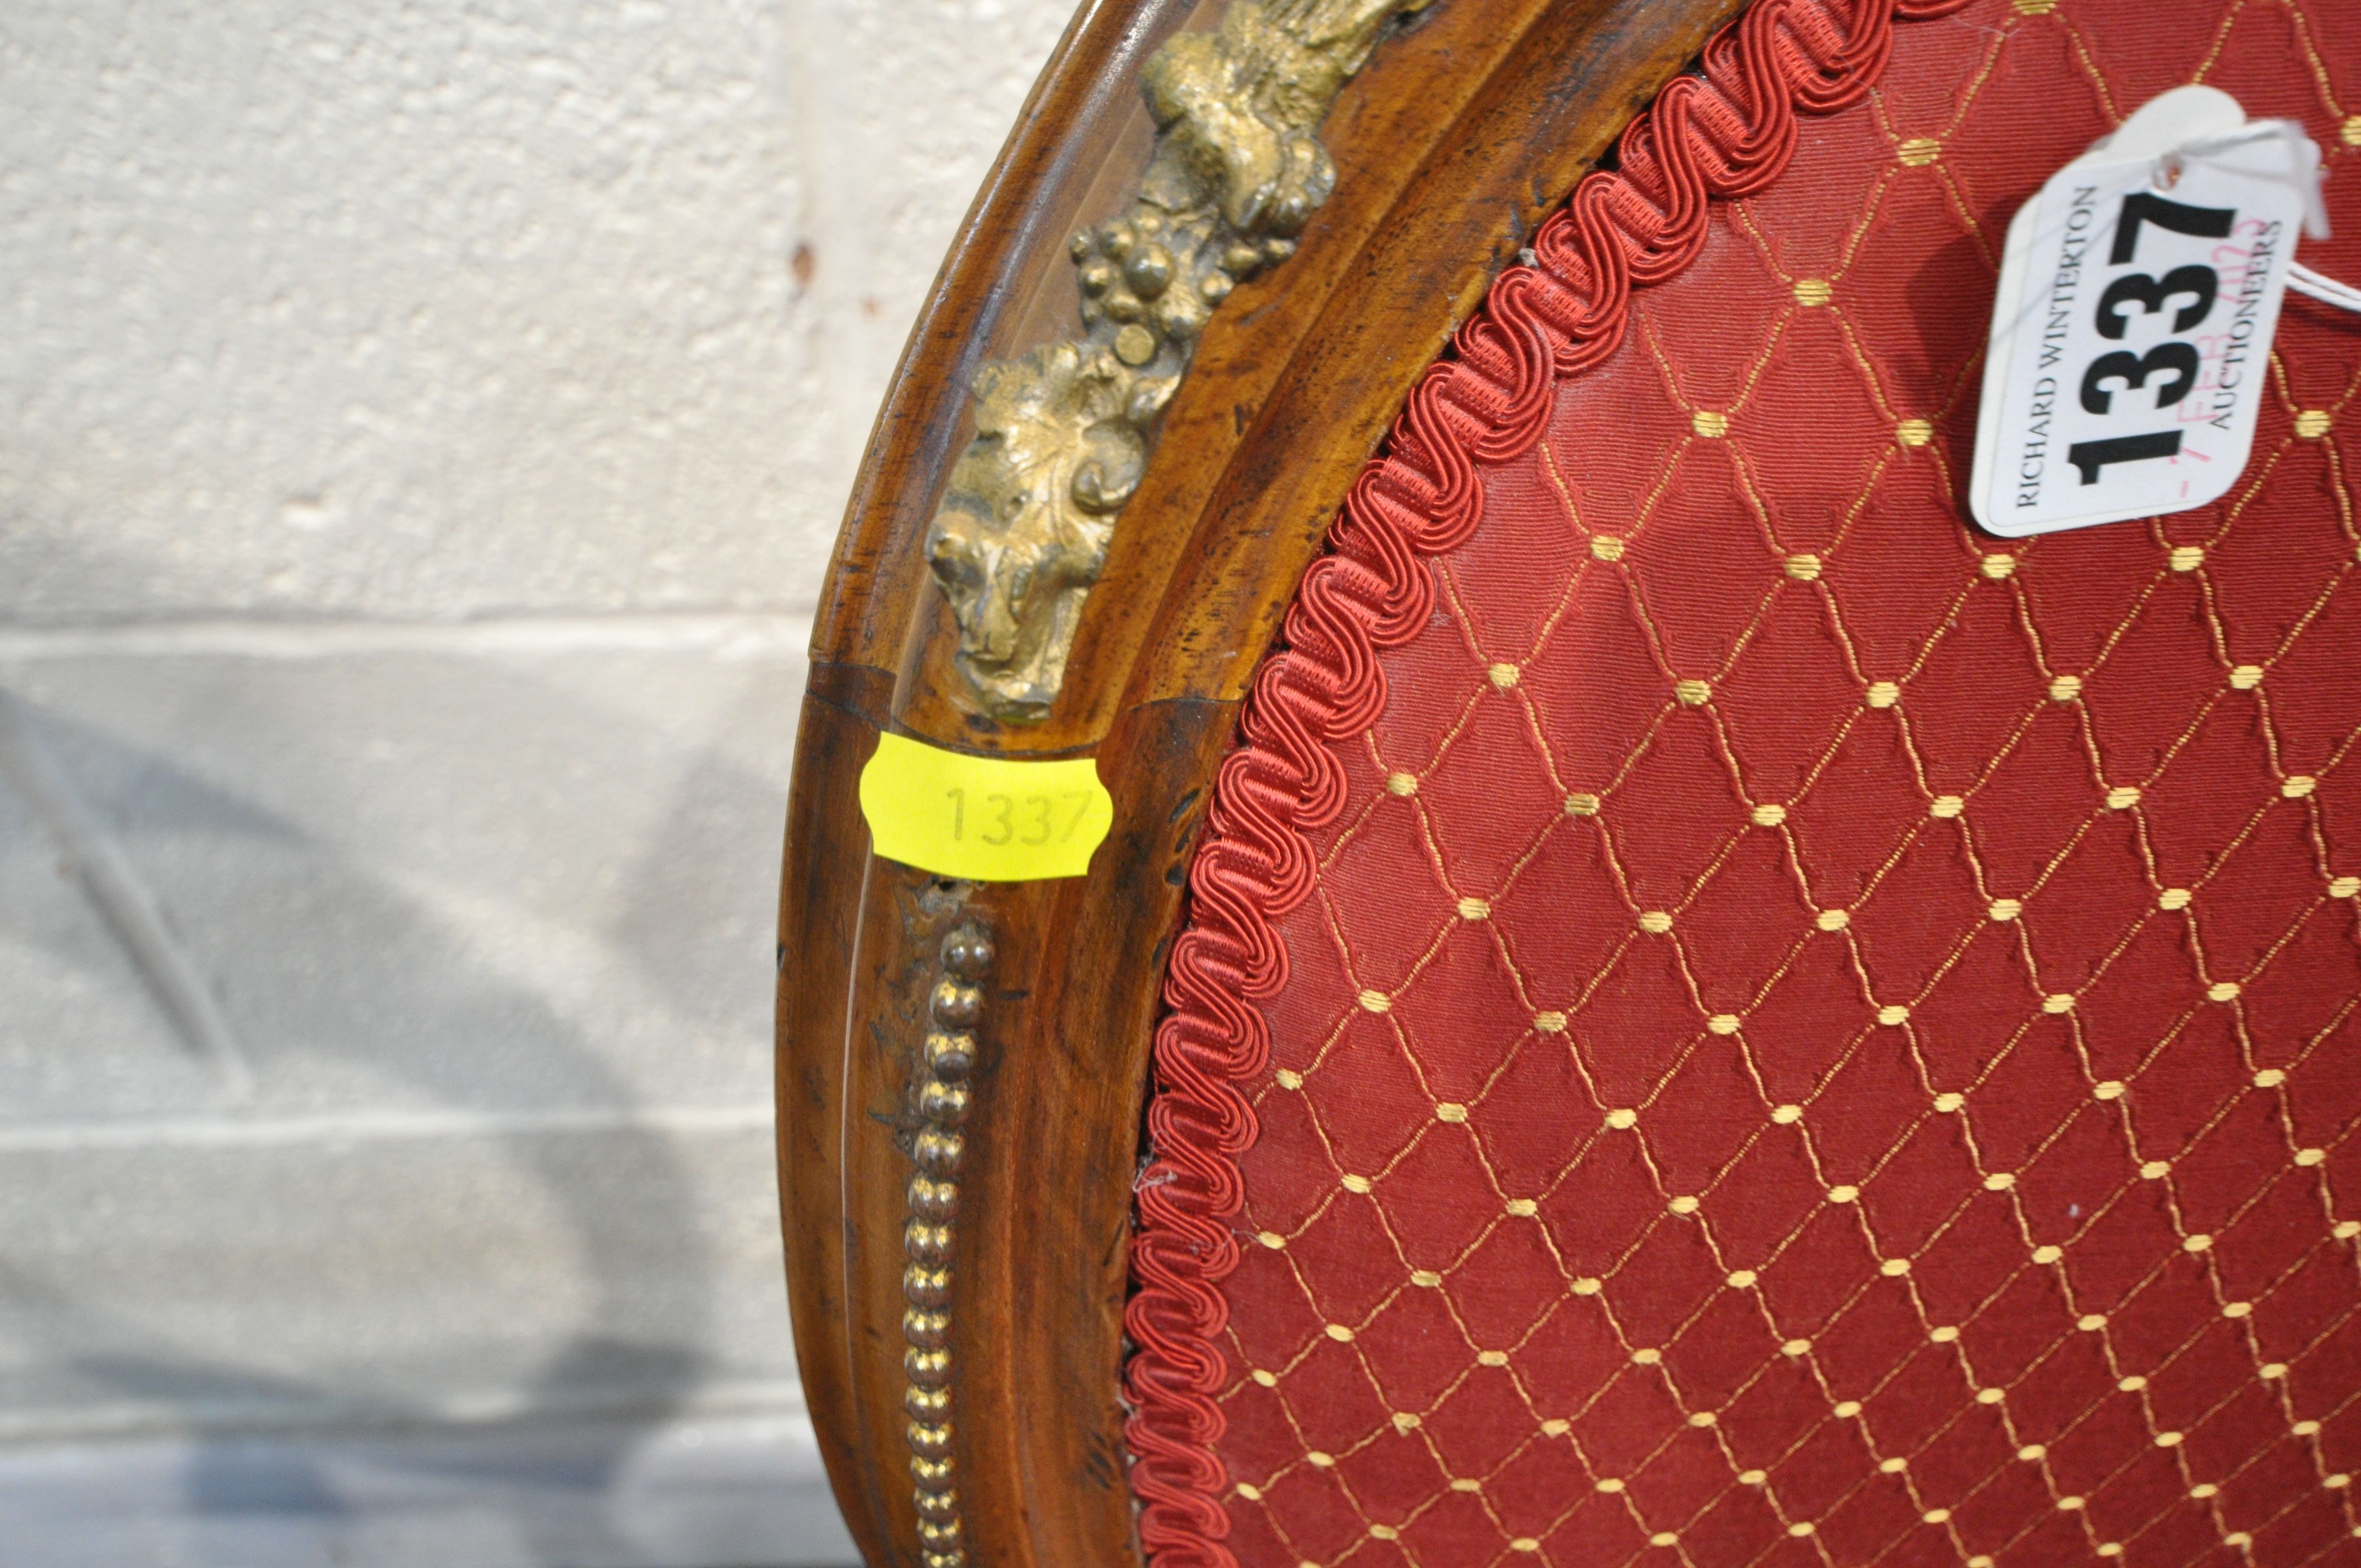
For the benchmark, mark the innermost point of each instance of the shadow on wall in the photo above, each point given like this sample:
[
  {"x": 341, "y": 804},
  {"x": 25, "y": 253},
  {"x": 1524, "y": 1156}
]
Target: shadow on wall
[{"x": 456, "y": 1192}]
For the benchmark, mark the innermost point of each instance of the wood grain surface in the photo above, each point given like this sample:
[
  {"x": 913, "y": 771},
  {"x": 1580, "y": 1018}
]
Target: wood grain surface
[{"x": 1468, "y": 124}]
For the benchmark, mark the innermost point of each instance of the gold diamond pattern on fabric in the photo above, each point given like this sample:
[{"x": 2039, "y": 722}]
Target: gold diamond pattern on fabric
[{"x": 2065, "y": 863}]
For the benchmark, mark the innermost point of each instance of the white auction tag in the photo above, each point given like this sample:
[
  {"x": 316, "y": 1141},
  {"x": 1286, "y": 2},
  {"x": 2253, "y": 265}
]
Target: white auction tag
[{"x": 2131, "y": 329}]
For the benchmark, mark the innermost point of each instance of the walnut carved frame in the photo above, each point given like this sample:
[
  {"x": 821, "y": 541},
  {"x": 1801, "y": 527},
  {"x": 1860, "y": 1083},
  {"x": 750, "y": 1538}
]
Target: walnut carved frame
[{"x": 1020, "y": 1116}]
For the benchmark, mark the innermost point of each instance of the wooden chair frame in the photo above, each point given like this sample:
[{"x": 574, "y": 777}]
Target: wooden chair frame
[{"x": 1470, "y": 121}]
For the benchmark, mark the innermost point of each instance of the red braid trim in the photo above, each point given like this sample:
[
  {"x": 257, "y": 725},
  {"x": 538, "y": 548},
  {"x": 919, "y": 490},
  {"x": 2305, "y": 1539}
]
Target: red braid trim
[{"x": 1725, "y": 132}]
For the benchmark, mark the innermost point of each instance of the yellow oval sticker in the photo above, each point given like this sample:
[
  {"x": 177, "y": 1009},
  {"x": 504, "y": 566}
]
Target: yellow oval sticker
[{"x": 983, "y": 819}]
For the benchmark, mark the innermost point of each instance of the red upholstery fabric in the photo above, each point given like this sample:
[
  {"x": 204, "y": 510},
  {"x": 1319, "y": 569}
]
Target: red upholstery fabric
[{"x": 1816, "y": 1035}]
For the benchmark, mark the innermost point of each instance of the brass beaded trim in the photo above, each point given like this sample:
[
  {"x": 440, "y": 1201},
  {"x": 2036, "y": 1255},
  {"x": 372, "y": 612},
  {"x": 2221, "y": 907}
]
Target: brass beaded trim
[{"x": 940, "y": 1090}]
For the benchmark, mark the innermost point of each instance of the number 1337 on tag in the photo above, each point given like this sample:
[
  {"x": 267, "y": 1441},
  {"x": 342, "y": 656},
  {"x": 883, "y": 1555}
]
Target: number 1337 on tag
[
  {"x": 980, "y": 818},
  {"x": 2132, "y": 334}
]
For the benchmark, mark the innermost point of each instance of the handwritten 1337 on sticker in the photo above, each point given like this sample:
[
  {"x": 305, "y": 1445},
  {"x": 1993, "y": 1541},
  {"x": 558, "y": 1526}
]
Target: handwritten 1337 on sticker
[
  {"x": 2132, "y": 330},
  {"x": 983, "y": 819}
]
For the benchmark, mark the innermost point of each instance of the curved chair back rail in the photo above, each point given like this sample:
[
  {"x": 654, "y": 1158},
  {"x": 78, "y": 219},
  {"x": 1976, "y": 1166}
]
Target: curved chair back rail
[{"x": 1470, "y": 119}]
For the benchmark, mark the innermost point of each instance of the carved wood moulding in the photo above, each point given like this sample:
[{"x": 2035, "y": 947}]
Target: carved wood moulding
[{"x": 1070, "y": 543}]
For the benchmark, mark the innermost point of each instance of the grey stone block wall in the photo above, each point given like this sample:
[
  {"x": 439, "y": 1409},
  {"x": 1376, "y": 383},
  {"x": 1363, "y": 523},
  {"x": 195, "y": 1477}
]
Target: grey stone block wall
[
  {"x": 421, "y": 428},
  {"x": 712, "y": 1488}
]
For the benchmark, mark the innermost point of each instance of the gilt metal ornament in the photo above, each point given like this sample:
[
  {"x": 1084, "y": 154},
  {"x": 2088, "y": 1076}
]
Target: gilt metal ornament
[
  {"x": 939, "y": 1090},
  {"x": 1063, "y": 433}
]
